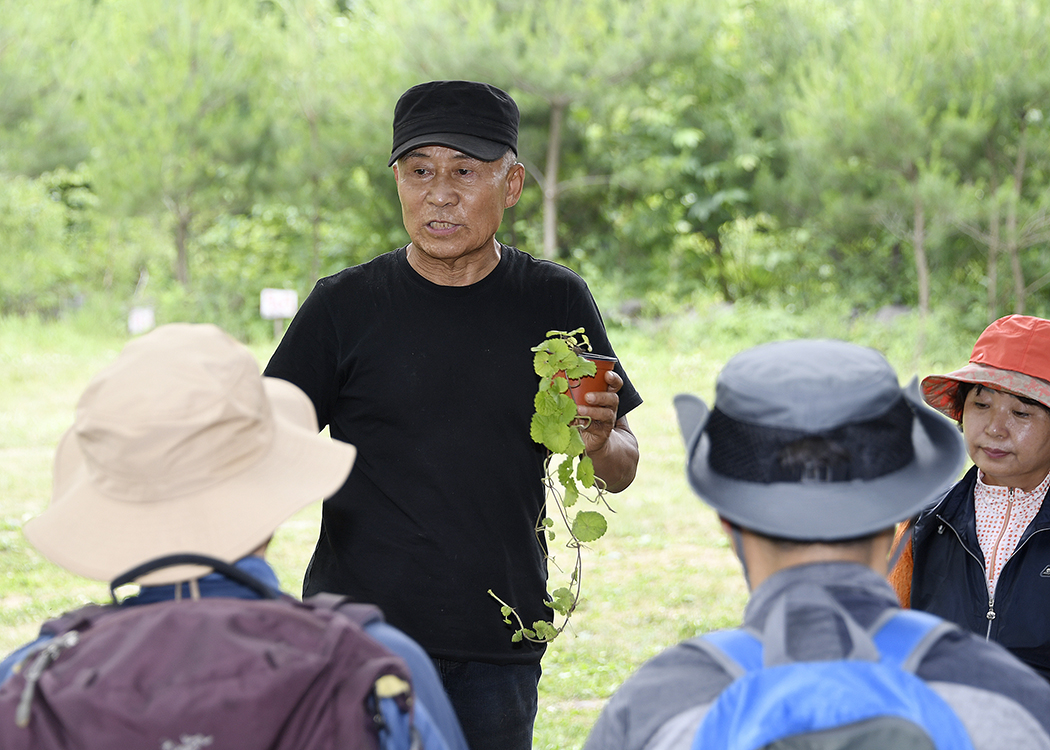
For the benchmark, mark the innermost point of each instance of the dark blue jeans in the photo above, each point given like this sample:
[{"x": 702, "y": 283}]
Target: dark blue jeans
[{"x": 496, "y": 703}]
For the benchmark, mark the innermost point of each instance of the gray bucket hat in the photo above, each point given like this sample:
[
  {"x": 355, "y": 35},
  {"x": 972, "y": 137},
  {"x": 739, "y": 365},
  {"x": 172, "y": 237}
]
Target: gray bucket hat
[{"x": 881, "y": 454}]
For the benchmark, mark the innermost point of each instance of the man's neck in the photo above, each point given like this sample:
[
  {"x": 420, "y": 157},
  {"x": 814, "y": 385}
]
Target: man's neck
[
  {"x": 766, "y": 557},
  {"x": 462, "y": 271}
]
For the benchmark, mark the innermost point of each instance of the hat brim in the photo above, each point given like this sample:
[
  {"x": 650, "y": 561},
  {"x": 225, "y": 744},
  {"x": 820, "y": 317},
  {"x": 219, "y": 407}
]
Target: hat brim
[
  {"x": 939, "y": 390},
  {"x": 833, "y": 510},
  {"x": 98, "y": 537},
  {"x": 480, "y": 148}
]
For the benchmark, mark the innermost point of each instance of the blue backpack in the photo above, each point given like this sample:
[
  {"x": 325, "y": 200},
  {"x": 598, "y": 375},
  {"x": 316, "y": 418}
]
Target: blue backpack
[{"x": 857, "y": 703}]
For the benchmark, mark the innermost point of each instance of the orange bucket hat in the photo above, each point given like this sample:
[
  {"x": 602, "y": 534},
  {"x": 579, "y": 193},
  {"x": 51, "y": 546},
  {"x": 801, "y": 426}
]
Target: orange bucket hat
[{"x": 1012, "y": 355}]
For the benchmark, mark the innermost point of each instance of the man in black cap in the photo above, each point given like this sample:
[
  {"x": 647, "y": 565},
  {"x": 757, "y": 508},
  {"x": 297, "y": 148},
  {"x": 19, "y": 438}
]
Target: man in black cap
[
  {"x": 810, "y": 456},
  {"x": 421, "y": 358}
]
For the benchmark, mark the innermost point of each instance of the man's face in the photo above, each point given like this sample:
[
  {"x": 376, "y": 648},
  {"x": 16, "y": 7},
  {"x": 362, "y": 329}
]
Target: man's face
[{"x": 452, "y": 204}]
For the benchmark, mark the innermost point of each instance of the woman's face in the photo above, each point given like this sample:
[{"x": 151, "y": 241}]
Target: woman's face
[{"x": 1007, "y": 438}]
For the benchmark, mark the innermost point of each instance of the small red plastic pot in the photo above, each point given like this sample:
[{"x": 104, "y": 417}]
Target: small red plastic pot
[{"x": 578, "y": 389}]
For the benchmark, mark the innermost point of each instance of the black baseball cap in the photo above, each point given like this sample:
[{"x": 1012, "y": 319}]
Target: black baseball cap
[{"x": 476, "y": 118}]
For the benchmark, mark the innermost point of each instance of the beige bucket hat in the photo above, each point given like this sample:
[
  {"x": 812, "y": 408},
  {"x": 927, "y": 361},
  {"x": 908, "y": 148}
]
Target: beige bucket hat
[{"x": 181, "y": 446}]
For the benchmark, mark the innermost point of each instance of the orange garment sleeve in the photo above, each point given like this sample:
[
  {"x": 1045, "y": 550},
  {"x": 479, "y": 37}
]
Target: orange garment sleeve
[{"x": 900, "y": 576}]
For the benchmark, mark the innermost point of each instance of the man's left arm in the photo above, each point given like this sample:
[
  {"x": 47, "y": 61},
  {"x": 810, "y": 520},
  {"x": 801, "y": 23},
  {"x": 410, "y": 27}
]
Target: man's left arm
[{"x": 609, "y": 441}]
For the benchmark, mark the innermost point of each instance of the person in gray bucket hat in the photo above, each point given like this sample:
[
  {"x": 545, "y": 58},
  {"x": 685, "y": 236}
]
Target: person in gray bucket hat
[{"x": 811, "y": 454}]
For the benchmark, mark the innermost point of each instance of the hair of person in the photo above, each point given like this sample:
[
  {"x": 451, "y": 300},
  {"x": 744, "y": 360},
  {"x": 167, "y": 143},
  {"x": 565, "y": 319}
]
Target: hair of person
[
  {"x": 963, "y": 390},
  {"x": 508, "y": 160},
  {"x": 787, "y": 545},
  {"x": 816, "y": 456}
]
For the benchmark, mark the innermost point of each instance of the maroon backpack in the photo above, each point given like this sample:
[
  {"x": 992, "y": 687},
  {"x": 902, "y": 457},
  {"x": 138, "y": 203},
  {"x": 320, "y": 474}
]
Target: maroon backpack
[{"x": 216, "y": 672}]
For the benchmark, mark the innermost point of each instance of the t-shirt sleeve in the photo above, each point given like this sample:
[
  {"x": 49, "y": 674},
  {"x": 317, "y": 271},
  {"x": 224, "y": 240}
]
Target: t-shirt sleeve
[
  {"x": 590, "y": 317},
  {"x": 308, "y": 354}
]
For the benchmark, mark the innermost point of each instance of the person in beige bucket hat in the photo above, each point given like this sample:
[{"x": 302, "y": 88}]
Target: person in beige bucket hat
[
  {"x": 180, "y": 447},
  {"x": 981, "y": 555}
]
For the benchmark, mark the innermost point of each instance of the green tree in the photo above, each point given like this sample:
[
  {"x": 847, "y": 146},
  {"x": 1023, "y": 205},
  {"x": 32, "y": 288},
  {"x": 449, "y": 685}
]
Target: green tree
[
  {"x": 40, "y": 269},
  {"x": 1006, "y": 173},
  {"x": 39, "y": 130},
  {"x": 567, "y": 63},
  {"x": 916, "y": 121},
  {"x": 179, "y": 97},
  {"x": 877, "y": 108},
  {"x": 334, "y": 134}
]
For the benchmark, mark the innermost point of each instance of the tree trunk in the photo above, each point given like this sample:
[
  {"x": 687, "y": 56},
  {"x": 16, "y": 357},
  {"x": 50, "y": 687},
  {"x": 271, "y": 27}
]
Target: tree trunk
[
  {"x": 1012, "y": 248},
  {"x": 720, "y": 264},
  {"x": 550, "y": 182},
  {"x": 994, "y": 234},
  {"x": 182, "y": 256},
  {"x": 922, "y": 272},
  {"x": 994, "y": 225},
  {"x": 315, "y": 231},
  {"x": 922, "y": 267},
  {"x": 315, "y": 186}
]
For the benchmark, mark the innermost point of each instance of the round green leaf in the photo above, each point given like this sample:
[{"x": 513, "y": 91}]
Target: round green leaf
[{"x": 589, "y": 525}]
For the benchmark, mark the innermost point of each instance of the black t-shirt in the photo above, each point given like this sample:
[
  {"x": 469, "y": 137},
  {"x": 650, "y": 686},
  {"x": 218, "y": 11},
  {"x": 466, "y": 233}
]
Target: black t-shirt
[{"x": 435, "y": 386}]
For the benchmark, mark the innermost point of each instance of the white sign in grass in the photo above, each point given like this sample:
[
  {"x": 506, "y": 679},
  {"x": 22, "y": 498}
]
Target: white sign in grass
[
  {"x": 141, "y": 320},
  {"x": 278, "y": 304}
]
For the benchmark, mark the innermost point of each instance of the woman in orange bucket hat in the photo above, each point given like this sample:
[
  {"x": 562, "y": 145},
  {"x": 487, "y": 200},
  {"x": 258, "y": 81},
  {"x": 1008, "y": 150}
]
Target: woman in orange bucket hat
[{"x": 981, "y": 555}]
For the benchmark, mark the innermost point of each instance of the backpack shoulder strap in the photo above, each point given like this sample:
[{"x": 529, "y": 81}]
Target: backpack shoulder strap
[
  {"x": 219, "y": 566},
  {"x": 907, "y": 635},
  {"x": 360, "y": 613},
  {"x": 902, "y": 637},
  {"x": 739, "y": 645},
  {"x": 736, "y": 651},
  {"x": 76, "y": 619}
]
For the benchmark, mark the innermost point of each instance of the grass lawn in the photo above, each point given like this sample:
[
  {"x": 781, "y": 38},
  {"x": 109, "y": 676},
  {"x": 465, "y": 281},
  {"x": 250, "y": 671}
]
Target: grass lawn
[{"x": 663, "y": 572}]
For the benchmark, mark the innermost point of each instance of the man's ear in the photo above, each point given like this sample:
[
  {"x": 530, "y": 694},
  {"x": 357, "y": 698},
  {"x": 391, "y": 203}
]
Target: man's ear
[
  {"x": 736, "y": 542},
  {"x": 515, "y": 184},
  {"x": 397, "y": 175},
  {"x": 734, "y": 537}
]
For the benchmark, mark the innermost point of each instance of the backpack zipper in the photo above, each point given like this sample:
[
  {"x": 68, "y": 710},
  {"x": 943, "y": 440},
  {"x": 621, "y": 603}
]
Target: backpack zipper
[{"x": 44, "y": 658}]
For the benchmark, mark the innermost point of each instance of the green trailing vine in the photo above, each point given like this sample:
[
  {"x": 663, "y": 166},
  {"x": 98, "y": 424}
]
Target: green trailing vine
[{"x": 568, "y": 473}]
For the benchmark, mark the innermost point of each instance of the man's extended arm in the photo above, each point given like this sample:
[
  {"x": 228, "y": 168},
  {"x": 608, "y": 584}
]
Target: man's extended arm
[{"x": 610, "y": 443}]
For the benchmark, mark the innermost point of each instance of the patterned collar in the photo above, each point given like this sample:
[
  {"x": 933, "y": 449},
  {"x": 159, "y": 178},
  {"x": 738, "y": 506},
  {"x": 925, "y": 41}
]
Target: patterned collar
[{"x": 1002, "y": 515}]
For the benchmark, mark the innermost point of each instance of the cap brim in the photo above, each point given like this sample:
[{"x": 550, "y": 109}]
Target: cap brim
[
  {"x": 95, "y": 536},
  {"x": 479, "y": 148},
  {"x": 939, "y": 390},
  {"x": 845, "y": 509}
]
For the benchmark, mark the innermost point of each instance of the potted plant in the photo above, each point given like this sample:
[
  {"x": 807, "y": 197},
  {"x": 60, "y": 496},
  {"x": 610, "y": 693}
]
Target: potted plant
[{"x": 567, "y": 370}]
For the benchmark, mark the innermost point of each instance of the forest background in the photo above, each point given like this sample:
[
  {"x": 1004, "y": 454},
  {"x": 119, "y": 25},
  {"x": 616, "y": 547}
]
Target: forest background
[{"x": 848, "y": 155}]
